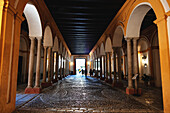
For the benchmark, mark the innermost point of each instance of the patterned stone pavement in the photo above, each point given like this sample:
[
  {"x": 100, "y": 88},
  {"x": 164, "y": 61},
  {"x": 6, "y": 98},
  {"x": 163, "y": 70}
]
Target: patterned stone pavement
[{"x": 79, "y": 94}]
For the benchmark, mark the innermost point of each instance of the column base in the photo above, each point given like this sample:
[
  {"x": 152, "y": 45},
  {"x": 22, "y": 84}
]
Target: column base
[
  {"x": 46, "y": 84},
  {"x": 35, "y": 90},
  {"x": 60, "y": 78},
  {"x": 108, "y": 81},
  {"x": 117, "y": 84},
  {"x": 55, "y": 80},
  {"x": 103, "y": 78},
  {"x": 130, "y": 91},
  {"x": 138, "y": 91}
]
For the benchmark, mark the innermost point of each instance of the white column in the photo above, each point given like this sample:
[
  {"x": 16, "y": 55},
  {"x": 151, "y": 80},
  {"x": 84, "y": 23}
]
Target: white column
[
  {"x": 45, "y": 64},
  {"x": 49, "y": 64},
  {"x": 37, "y": 81},
  {"x": 31, "y": 63},
  {"x": 135, "y": 59},
  {"x": 129, "y": 57}
]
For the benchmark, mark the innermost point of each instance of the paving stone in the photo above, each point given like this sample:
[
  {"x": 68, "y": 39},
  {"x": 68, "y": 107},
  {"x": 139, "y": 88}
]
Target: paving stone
[{"x": 78, "y": 94}]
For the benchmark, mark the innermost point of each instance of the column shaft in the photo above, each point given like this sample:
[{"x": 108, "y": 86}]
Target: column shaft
[
  {"x": 49, "y": 64},
  {"x": 119, "y": 63},
  {"x": 97, "y": 68},
  {"x": 104, "y": 63},
  {"x": 129, "y": 56},
  {"x": 52, "y": 66},
  {"x": 135, "y": 60},
  {"x": 100, "y": 67},
  {"x": 115, "y": 79},
  {"x": 31, "y": 63},
  {"x": 56, "y": 70},
  {"x": 37, "y": 81},
  {"x": 106, "y": 66},
  {"x": 45, "y": 64},
  {"x": 110, "y": 70}
]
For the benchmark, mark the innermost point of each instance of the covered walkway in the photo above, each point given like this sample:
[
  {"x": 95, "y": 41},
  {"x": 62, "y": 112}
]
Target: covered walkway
[{"x": 79, "y": 94}]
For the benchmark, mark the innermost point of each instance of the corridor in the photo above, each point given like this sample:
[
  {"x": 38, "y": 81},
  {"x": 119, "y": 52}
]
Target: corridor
[{"x": 79, "y": 94}]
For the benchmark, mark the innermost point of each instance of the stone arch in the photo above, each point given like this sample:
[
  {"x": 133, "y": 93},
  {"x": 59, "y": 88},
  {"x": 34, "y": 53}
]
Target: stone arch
[
  {"x": 56, "y": 46},
  {"x": 102, "y": 51},
  {"x": 48, "y": 39},
  {"x": 108, "y": 45},
  {"x": 165, "y": 5},
  {"x": 118, "y": 36},
  {"x": 34, "y": 21},
  {"x": 137, "y": 14}
]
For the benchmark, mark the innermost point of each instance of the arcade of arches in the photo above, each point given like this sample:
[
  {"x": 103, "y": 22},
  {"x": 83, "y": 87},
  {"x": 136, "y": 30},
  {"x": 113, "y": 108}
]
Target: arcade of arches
[{"x": 130, "y": 59}]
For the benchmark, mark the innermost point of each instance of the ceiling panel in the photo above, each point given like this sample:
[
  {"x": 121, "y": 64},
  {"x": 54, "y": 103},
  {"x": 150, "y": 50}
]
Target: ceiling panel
[{"x": 82, "y": 22}]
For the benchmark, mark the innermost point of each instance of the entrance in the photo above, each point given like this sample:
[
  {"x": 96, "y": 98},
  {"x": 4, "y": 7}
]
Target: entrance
[{"x": 80, "y": 66}]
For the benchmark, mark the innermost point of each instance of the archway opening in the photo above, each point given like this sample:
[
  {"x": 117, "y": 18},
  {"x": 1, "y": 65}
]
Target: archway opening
[
  {"x": 31, "y": 30},
  {"x": 80, "y": 66},
  {"x": 141, "y": 25}
]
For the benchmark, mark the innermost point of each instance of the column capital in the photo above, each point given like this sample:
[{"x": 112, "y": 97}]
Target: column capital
[
  {"x": 135, "y": 38},
  {"x": 128, "y": 39},
  {"x": 45, "y": 47},
  {"x": 161, "y": 18},
  {"x": 39, "y": 38},
  {"x": 32, "y": 37}
]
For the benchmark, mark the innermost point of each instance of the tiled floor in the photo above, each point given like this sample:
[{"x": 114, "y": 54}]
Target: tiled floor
[{"x": 79, "y": 94}]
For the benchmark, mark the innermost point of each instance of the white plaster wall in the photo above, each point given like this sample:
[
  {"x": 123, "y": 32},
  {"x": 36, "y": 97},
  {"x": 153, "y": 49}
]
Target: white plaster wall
[{"x": 143, "y": 46}]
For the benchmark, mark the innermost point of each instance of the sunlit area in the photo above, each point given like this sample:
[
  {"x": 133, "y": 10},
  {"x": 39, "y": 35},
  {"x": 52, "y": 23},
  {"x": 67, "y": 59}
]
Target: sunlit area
[{"x": 80, "y": 66}]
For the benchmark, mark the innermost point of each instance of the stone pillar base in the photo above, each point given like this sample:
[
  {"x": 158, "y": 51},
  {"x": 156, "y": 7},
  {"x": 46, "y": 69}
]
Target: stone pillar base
[
  {"x": 55, "y": 80},
  {"x": 103, "y": 78},
  {"x": 138, "y": 91},
  {"x": 35, "y": 90},
  {"x": 117, "y": 84},
  {"x": 46, "y": 84},
  {"x": 130, "y": 91},
  {"x": 60, "y": 78}
]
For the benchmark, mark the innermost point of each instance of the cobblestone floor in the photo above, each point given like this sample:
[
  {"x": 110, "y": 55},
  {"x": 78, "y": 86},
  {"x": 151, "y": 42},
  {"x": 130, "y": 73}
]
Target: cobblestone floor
[{"x": 78, "y": 94}]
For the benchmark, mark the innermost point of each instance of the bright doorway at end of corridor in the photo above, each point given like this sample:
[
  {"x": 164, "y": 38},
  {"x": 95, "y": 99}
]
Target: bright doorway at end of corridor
[{"x": 80, "y": 66}]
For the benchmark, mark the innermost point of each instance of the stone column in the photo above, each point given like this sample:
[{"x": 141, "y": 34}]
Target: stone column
[
  {"x": 135, "y": 60},
  {"x": 45, "y": 64},
  {"x": 129, "y": 89},
  {"x": 110, "y": 70},
  {"x": 115, "y": 79},
  {"x": 52, "y": 66},
  {"x": 100, "y": 67},
  {"x": 37, "y": 81},
  {"x": 61, "y": 67},
  {"x": 119, "y": 63},
  {"x": 104, "y": 64},
  {"x": 97, "y": 67},
  {"x": 106, "y": 79},
  {"x": 49, "y": 65},
  {"x": 31, "y": 63},
  {"x": 56, "y": 70},
  {"x": 124, "y": 66}
]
